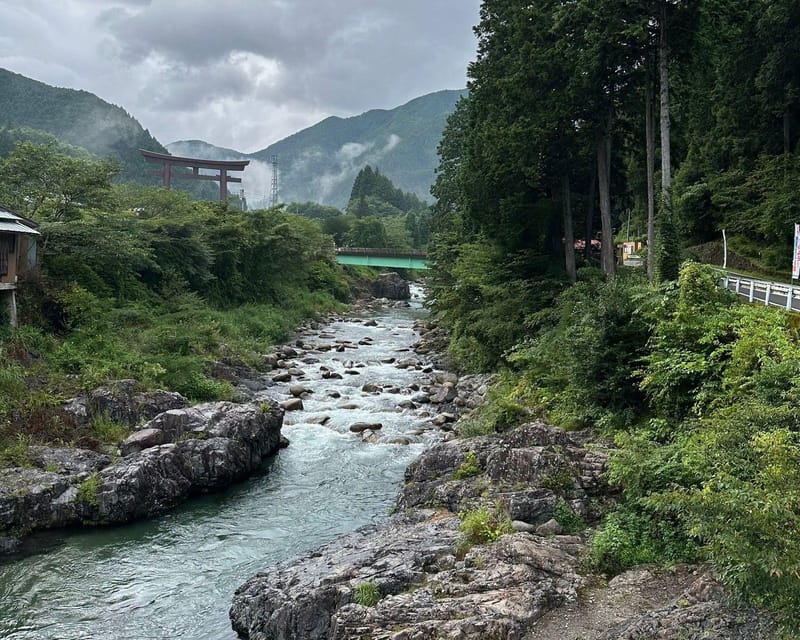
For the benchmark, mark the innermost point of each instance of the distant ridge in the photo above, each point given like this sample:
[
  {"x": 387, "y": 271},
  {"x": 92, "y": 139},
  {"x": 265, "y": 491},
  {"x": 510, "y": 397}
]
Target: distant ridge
[{"x": 319, "y": 163}]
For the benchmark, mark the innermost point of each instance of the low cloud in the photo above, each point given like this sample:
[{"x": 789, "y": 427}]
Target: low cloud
[{"x": 250, "y": 74}]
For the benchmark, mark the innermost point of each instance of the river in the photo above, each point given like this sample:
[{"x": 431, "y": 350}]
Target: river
[{"x": 174, "y": 576}]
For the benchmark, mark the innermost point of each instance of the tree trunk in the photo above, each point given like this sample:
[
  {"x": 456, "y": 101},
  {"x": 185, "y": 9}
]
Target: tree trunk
[
  {"x": 663, "y": 67},
  {"x": 604, "y": 184},
  {"x": 587, "y": 250},
  {"x": 651, "y": 187},
  {"x": 569, "y": 237},
  {"x": 787, "y": 132}
]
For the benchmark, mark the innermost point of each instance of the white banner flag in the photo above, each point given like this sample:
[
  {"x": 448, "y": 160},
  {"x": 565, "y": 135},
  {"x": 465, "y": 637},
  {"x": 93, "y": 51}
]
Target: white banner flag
[{"x": 796, "y": 256}]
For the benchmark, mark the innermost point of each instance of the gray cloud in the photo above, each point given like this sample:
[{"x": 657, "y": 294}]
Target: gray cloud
[{"x": 245, "y": 73}]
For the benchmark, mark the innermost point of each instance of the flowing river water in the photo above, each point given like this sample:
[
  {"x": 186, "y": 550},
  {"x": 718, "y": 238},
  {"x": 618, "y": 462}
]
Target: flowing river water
[{"x": 174, "y": 576}]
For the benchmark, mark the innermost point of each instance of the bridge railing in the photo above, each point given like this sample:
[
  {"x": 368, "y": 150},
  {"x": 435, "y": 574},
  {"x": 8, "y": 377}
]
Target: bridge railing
[
  {"x": 776, "y": 294},
  {"x": 394, "y": 253}
]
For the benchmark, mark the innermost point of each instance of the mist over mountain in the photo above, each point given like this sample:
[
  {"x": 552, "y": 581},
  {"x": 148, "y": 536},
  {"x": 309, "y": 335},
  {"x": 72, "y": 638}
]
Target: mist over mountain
[
  {"x": 77, "y": 118},
  {"x": 320, "y": 163}
]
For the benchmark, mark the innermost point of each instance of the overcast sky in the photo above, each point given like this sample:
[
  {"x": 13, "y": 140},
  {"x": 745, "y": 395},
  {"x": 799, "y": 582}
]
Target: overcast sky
[{"x": 241, "y": 73}]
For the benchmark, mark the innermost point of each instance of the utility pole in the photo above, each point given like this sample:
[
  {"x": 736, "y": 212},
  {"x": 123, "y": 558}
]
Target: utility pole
[{"x": 274, "y": 198}]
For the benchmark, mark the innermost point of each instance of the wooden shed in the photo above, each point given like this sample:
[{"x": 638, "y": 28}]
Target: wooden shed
[{"x": 18, "y": 237}]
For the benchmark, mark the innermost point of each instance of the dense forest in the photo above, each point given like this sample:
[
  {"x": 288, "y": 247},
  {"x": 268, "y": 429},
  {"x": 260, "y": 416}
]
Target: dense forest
[
  {"x": 378, "y": 215},
  {"x": 665, "y": 121}
]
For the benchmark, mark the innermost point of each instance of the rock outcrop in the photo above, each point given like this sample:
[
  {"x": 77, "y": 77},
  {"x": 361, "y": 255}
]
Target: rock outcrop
[
  {"x": 178, "y": 453},
  {"x": 410, "y": 579},
  {"x": 427, "y": 590},
  {"x": 392, "y": 286}
]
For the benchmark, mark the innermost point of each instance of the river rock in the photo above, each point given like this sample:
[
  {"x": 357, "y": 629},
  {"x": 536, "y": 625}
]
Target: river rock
[
  {"x": 282, "y": 377},
  {"x": 298, "y": 390},
  {"x": 358, "y": 427},
  {"x": 293, "y": 404},
  {"x": 445, "y": 393},
  {"x": 426, "y": 592},
  {"x": 142, "y": 439},
  {"x": 371, "y": 388},
  {"x": 391, "y": 286},
  {"x": 530, "y": 468}
]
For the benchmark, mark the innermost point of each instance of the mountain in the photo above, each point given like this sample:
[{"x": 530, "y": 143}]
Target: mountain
[
  {"x": 321, "y": 162},
  {"x": 77, "y": 118}
]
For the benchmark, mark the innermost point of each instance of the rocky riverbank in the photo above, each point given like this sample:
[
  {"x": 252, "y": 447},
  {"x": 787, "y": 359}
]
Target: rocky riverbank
[
  {"x": 417, "y": 578},
  {"x": 179, "y": 453}
]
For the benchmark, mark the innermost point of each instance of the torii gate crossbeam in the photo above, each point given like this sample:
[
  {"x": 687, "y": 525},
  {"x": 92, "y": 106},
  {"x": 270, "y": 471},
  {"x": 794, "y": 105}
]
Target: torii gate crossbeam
[{"x": 195, "y": 164}]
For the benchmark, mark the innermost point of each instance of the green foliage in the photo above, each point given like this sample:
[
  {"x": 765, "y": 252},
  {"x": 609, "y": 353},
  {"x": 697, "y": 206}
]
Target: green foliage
[
  {"x": 582, "y": 367},
  {"x": 12, "y": 385},
  {"x": 482, "y": 526},
  {"x": 87, "y": 491},
  {"x": 42, "y": 184},
  {"x": 367, "y": 594},
  {"x": 627, "y": 539},
  {"x": 15, "y": 452},
  {"x": 108, "y": 431},
  {"x": 469, "y": 468},
  {"x": 570, "y": 520},
  {"x": 198, "y": 388}
]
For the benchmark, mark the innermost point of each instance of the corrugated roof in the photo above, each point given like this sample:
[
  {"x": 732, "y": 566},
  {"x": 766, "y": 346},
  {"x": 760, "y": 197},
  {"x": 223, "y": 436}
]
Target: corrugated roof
[
  {"x": 17, "y": 227},
  {"x": 5, "y": 214}
]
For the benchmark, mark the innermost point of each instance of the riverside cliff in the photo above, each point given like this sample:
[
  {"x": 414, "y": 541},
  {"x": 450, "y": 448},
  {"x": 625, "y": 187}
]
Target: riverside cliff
[{"x": 179, "y": 453}]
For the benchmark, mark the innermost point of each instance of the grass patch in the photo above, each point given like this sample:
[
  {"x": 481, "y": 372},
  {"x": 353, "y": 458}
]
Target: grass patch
[
  {"x": 87, "y": 491},
  {"x": 570, "y": 520},
  {"x": 482, "y": 526},
  {"x": 367, "y": 594}
]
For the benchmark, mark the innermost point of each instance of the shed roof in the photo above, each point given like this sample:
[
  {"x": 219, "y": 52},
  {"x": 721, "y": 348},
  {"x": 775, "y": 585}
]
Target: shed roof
[{"x": 12, "y": 223}]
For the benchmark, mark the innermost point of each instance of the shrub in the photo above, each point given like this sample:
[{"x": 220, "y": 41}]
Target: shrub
[
  {"x": 570, "y": 520},
  {"x": 468, "y": 468},
  {"x": 367, "y": 594},
  {"x": 87, "y": 491},
  {"x": 482, "y": 526},
  {"x": 15, "y": 453}
]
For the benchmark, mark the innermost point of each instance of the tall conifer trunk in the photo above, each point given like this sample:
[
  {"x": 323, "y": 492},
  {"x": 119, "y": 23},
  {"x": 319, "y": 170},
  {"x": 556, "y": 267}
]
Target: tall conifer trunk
[
  {"x": 663, "y": 68},
  {"x": 569, "y": 237},
  {"x": 651, "y": 187},
  {"x": 604, "y": 184}
]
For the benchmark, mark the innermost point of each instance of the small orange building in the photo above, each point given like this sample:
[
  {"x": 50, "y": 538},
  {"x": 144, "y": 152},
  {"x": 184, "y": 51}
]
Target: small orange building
[{"x": 17, "y": 256}]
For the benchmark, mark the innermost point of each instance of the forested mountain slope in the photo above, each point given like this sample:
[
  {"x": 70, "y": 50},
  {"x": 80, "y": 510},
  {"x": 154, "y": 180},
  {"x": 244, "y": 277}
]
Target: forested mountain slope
[{"x": 78, "y": 118}]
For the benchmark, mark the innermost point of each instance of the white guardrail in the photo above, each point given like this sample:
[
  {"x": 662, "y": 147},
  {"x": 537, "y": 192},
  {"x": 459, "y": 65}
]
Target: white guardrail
[{"x": 776, "y": 294}]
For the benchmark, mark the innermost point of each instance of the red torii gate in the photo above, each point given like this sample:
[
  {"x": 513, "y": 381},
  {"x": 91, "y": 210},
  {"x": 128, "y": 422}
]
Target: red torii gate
[{"x": 223, "y": 166}]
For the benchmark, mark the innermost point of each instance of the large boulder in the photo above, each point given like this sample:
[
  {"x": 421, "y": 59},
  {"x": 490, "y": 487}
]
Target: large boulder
[
  {"x": 122, "y": 403},
  {"x": 531, "y": 468},
  {"x": 392, "y": 286}
]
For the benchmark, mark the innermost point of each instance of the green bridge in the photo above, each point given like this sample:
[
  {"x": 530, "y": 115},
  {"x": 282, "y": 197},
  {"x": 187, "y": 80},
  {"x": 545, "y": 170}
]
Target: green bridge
[{"x": 382, "y": 258}]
